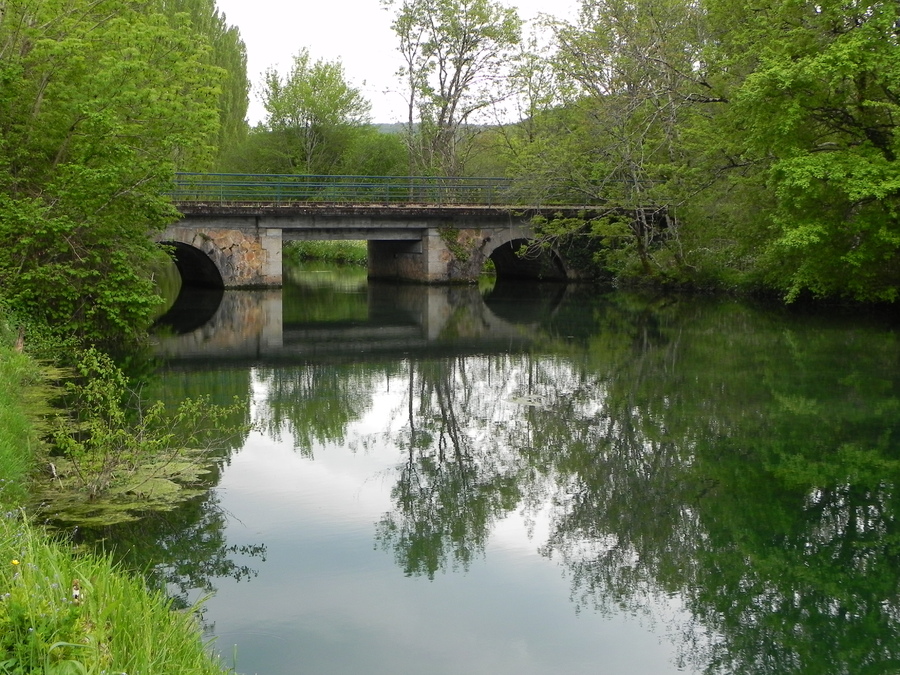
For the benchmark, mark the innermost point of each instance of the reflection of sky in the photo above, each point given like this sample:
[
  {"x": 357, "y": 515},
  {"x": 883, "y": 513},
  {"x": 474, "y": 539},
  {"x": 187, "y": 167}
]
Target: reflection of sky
[{"x": 328, "y": 600}]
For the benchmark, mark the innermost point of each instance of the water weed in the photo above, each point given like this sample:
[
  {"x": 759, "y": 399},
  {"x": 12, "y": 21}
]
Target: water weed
[
  {"x": 67, "y": 614},
  {"x": 115, "y": 453}
]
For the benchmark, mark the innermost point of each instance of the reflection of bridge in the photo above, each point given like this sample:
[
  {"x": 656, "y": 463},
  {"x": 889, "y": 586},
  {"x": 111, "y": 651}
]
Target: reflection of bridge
[
  {"x": 248, "y": 326},
  {"x": 423, "y": 229}
]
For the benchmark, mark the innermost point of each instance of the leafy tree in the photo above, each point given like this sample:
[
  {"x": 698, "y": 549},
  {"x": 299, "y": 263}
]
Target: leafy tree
[
  {"x": 729, "y": 142},
  {"x": 817, "y": 110},
  {"x": 100, "y": 102},
  {"x": 455, "y": 52},
  {"x": 226, "y": 50},
  {"x": 314, "y": 112},
  {"x": 359, "y": 150},
  {"x": 632, "y": 85}
]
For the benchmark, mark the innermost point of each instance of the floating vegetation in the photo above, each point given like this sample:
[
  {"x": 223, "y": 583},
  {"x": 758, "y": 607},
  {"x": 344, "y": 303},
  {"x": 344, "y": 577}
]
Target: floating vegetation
[
  {"x": 160, "y": 484},
  {"x": 114, "y": 455}
]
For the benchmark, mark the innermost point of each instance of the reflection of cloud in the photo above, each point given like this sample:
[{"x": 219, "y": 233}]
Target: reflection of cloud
[
  {"x": 345, "y": 608},
  {"x": 329, "y": 600}
]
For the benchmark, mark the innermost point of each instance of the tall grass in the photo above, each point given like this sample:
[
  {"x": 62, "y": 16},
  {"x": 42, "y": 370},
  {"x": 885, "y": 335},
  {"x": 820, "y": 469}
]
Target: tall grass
[
  {"x": 64, "y": 614},
  {"x": 67, "y": 614},
  {"x": 20, "y": 396},
  {"x": 342, "y": 252}
]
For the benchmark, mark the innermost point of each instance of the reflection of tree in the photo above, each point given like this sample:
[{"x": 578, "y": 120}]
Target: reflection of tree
[
  {"x": 751, "y": 469},
  {"x": 456, "y": 480},
  {"x": 185, "y": 549},
  {"x": 316, "y": 402},
  {"x": 747, "y": 466},
  {"x": 179, "y": 551},
  {"x": 325, "y": 296},
  {"x": 222, "y": 387}
]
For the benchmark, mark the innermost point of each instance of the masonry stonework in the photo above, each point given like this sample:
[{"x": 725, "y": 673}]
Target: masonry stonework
[{"x": 244, "y": 257}]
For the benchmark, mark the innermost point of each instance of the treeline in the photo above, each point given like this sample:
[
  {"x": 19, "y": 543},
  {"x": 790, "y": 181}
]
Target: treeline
[
  {"x": 723, "y": 143},
  {"x": 729, "y": 143},
  {"x": 757, "y": 142}
]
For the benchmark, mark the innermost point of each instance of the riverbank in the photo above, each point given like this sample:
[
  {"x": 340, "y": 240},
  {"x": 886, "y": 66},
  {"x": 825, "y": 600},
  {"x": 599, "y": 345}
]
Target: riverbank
[
  {"x": 62, "y": 612},
  {"x": 340, "y": 252}
]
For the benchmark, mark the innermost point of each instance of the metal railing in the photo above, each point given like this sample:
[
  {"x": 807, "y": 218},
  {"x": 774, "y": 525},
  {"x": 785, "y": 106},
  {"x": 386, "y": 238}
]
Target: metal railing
[{"x": 289, "y": 188}]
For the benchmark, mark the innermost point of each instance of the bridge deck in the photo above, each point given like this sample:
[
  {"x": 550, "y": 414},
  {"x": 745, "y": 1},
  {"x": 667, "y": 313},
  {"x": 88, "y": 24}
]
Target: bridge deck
[{"x": 199, "y": 193}]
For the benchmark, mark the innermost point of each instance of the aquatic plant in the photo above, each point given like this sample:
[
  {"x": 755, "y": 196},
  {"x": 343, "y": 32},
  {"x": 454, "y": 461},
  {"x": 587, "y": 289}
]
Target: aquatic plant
[{"x": 115, "y": 453}]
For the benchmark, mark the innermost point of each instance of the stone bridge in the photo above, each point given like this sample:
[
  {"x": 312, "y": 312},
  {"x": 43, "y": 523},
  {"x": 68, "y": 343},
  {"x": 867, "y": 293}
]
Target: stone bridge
[{"x": 239, "y": 244}]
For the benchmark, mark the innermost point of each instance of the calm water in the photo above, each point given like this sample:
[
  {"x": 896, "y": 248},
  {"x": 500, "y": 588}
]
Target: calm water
[{"x": 539, "y": 480}]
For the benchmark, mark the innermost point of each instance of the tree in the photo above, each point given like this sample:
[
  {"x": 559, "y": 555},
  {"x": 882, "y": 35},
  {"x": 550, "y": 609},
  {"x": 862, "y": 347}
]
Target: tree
[
  {"x": 100, "y": 102},
  {"x": 455, "y": 54},
  {"x": 226, "y": 50},
  {"x": 816, "y": 107},
  {"x": 314, "y": 110},
  {"x": 632, "y": 82}
]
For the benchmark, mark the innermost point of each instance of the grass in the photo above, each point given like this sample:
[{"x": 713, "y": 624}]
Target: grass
[
  {"x": 65, "y": 614},
  {"x": 341, "y": 252},
  {"x": 20, "y": 394},
  {"x": 68, "y": 614}
]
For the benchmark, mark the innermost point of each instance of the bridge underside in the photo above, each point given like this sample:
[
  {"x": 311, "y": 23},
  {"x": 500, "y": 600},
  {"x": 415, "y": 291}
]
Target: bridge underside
[
  {"x": 515, "y": 260},
  {"x": 196, "y": 267}
]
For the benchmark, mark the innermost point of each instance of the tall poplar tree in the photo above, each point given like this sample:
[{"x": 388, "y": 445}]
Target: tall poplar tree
[
  {"x": 225, "y": 50},
  {"x": 100, "y": 101}
]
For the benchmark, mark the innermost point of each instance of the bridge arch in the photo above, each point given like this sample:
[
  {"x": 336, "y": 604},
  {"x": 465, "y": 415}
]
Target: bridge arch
[
  {"x": 219, "y": 253},
  {"x": 504, "y": 247},
  {"x": 196, "y": 268}
]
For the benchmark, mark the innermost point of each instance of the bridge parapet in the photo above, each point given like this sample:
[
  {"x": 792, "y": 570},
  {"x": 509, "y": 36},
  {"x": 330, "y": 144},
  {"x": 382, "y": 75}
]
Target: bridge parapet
[{"x": 293, "y": 188}]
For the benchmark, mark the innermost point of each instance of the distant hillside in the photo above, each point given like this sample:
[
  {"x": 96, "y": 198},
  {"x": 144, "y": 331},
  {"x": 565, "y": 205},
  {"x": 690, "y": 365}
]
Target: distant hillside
[{"x": 394, "y": 128}]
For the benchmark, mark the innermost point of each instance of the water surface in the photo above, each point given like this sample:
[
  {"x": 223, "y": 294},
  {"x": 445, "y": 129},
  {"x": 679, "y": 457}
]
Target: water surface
[{"x": 540, "y": 479}]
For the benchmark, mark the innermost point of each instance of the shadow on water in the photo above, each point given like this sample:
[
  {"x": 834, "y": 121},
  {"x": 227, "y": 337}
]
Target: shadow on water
[
  {"x": 524, "y": 302},
  {"x": 192, "y": 309}
]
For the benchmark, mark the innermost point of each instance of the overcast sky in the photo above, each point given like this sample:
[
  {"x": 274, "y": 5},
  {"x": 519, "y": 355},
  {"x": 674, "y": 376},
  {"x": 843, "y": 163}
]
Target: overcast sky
[{"x": 358, "y": 32}]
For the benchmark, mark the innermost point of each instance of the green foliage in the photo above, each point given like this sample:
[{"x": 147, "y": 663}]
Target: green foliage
[
  {"x": 116, "y": 447},
  {"x": 226, "y": 52},
  {"x": 450, "y": 237},
  {"x": 60, "y": 614},
  {"x": 100, "y": 103},
  {"x": 23, "y": 397},
  {"x": 341, "y": 252},
  {"x": 313, "y": 109},
  {"x": 819, "y": 113},
  {"x": 749, "y": 144},
  {"x": 357, "y": 150}
]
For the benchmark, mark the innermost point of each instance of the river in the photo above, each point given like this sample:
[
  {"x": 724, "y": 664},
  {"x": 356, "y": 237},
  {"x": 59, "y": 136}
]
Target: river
[{"x": 536, "y": 479}]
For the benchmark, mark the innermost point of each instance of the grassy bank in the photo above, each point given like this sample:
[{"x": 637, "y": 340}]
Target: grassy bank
[
  {"x": 342, "y": 252},
  {"x": 62, "y": 613}
]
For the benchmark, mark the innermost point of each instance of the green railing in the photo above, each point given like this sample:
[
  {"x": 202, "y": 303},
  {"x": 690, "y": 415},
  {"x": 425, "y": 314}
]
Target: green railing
[{"x": 288, "y": 188}]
